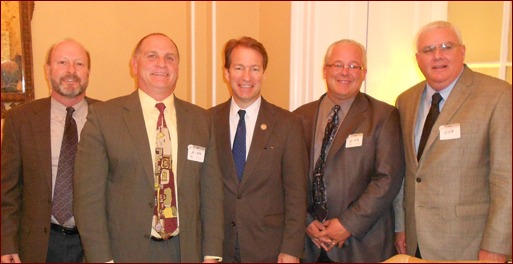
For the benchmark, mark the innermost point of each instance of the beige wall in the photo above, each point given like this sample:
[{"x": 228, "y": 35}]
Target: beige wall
[{"x": 110, "y": 30}]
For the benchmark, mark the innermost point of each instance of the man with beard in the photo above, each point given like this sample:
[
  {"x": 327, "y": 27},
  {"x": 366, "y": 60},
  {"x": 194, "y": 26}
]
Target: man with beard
[{"x": 34, "y": 229}]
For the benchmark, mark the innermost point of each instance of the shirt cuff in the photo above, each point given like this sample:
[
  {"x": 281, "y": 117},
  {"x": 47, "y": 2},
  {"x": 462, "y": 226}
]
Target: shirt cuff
[{"x": 213, "y": 257}]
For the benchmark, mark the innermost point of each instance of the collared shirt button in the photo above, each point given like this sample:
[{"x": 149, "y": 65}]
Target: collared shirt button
[
  {"x": 418, "y": 179},
  {"x": 233, "y": 223},
  {"x": 239, "y": 196}
]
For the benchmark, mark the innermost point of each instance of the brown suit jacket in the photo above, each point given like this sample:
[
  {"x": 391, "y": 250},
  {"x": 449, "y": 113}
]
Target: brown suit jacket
[
  {"x": 27, "y": 180},
  {"x": 458, "y": 197},
  {"x": 267, "y": 208},
  {"x": 114, "y": 194},
  {"x": 361, "y": 181}
]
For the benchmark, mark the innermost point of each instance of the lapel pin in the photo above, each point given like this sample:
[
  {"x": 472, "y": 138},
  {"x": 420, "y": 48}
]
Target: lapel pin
[{"x": 263, "y": 126}]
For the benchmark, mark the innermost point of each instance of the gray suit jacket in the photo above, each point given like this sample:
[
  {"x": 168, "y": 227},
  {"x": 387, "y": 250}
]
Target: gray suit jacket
[
  {"x": 268, "y": 207},
  {"x": 458, "y": 197},
  {"x": 114, "y": 194},
  {"x": 27, "y": 180},
  {"x": 361, "y": 181}
]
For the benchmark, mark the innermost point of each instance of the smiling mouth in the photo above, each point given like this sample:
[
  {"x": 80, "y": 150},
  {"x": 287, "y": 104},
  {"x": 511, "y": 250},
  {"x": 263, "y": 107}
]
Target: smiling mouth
[{"x": 160, "y": 74}]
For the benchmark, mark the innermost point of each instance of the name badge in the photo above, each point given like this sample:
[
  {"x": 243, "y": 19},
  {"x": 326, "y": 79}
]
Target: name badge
[
  {"x": 196, "y": 153},
  {"x": 354, "y": 140},
  {"x": 451, "y": 131}
]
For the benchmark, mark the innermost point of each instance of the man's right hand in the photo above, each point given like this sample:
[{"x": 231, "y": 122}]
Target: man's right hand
[{"x": 11, "y": 258}]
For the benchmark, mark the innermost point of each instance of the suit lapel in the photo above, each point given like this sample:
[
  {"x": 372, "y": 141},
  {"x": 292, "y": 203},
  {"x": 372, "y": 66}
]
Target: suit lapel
[
  {"x": 263, "y": 127},
  {"x": 222, "y": 123},
  {"x": 40, "y": 123},
  {"x": 410, "y": 116},
  {"x": 134, "y": 120},
  {"x": 456, "y": 99},
  {"x": 184, "y": 131},
  {"x": 353, "y": 119}
]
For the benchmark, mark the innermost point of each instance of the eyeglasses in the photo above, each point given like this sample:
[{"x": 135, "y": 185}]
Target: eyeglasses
[
  {"x": 339, "y": 66},
  {"x": 444, "y": 48}
]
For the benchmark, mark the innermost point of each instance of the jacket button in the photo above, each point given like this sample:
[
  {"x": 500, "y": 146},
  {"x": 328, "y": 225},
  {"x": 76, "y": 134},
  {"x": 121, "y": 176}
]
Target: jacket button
[
  {"x": 239, "y": 196},
  {"x": 418, "y": 179},
  {"x": 151, "y": 205},
  {"x": 233, "y": 224},
  {"x": 146, "y": 237}
]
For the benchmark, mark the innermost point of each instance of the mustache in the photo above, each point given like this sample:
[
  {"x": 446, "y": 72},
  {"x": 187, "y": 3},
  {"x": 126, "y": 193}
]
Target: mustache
[{"x": 73, "y": 77}]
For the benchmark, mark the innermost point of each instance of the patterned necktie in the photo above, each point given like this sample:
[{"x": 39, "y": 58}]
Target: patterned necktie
[
  {"x": 320, "y": 207},
  {"x": 165, "y": 220},
  {"x": 434, "y": 111},
  {"x": 62, "y": 206},
  {"x": 239, "y": 145}
]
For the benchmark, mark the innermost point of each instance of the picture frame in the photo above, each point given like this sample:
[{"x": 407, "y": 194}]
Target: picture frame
[{"x": 17, "y": 68}]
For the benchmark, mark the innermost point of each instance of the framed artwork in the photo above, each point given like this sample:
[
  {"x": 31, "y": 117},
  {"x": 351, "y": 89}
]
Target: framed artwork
[{"x": 17, "y": 69}]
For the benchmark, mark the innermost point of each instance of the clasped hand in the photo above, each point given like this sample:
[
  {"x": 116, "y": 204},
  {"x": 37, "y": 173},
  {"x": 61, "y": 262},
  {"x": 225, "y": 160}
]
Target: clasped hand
[{"x": 329, "y": 234}]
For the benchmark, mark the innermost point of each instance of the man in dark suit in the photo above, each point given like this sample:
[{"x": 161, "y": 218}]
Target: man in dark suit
[
  {"x": 265, "y": 195},
  {"x": 457, "y": 192},
  {"x": 32, "y": 137},
  {"x": 353, "y": 180},
  {"x": 116, "y": 178}
]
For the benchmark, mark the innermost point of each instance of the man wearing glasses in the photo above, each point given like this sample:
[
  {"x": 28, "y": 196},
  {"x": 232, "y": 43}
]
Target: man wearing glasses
[
  {"x": 356, "y": 164},
  {"x": 456, "y": 127}
]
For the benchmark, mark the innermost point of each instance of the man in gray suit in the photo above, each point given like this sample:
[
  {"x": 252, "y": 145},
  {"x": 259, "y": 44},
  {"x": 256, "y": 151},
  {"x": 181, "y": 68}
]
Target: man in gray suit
[
  {"x": 265, "y": 194},
  {"x": 116, "y": 177},
  {"x": 457, "y": 192},
  {"x": 32, "y": 137},
  {"x": 353, "y": 180}
]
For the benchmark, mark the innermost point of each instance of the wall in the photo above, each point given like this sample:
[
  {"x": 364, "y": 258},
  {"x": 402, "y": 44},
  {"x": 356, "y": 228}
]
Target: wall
[
  {"x": 295, "y": 34},
  {"x": 110, "y": 31}
]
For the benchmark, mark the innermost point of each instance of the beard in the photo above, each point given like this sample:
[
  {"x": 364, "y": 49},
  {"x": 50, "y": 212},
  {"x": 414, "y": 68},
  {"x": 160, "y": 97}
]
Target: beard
[{"x": 65, "y": 90}]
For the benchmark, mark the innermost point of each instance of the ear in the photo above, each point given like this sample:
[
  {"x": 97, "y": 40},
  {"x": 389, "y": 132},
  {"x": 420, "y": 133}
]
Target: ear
[
  {"x": 226, "y": 74},
  {"x": 133, "y": 65},
  {"x": 47, "y": 71}
]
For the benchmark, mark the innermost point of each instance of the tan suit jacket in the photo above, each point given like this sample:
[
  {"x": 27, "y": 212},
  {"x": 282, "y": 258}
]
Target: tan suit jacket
[
  {"x": 361, "y": 181},
  {"x": 267, "y": 209},
  {"x": 114, "y": 194},
  {"x": 27, "y": 180},
  {"x": 458, "y": 197}
]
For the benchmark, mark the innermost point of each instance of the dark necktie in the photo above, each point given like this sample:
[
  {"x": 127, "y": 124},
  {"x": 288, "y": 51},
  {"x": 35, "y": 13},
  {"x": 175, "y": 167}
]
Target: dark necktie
[
  {"x": 239, "y": 145},
  {"x": 62, "y": 206},
  {"x": 165, "y": 220},
  {"x": 434, "y": 110},
  {"x": 320, "y": 207}
]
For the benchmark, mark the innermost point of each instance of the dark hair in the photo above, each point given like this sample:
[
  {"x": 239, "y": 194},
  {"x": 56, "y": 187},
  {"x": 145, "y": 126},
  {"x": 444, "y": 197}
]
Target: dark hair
[{"x": 246, "y": 42}]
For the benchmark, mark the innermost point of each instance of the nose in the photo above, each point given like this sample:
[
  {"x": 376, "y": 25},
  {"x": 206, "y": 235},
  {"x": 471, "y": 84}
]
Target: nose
[
  {"x": 246, "y": 74},
  {"x": 72, "y": 68},
  {"x": 161, "y": 61},
  {"x": 438, "y": 52}
]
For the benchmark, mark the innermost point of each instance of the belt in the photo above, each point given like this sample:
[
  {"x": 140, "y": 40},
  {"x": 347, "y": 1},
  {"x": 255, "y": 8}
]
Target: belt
[
  {"x": 158, "y": 239},
  {"x": 65, "y": 230}
]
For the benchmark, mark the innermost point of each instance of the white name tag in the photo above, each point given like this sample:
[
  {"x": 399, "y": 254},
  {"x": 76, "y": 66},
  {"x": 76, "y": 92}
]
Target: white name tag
[
  {"x": 354, "y": 140},
  {"x": 451, "y": 131},
  {"x": 196, "y": 153}
]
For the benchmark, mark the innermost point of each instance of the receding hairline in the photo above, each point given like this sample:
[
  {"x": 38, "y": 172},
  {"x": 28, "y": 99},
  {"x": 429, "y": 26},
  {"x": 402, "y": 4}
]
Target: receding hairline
[
  {"x": 436, "y": 25},
  {"x": 137, "y": 48},
  {"x": 52, "y": 48},
  {"x": 329, "y": 51}
]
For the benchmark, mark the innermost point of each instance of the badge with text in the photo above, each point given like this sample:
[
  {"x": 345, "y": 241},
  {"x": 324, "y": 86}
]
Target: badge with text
[
  {"x": 451, "y": 131},
  {"x": 354, "y": 140},
  {"x": 196, "y": 153}
]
